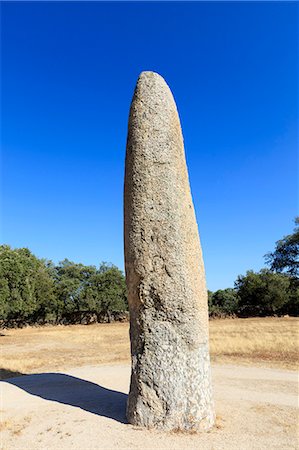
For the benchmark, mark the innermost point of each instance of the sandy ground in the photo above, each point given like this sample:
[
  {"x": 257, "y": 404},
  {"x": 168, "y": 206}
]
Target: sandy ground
[{"x": 84, "y": 408}]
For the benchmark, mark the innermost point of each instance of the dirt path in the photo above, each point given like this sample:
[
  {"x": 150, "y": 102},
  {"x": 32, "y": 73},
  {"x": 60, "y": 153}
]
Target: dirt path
[{"x": 84, "y": 408}]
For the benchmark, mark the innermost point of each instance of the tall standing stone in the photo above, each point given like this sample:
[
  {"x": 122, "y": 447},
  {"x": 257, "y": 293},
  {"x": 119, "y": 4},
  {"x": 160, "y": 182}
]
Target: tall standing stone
[{"x": 170, "y": 379}]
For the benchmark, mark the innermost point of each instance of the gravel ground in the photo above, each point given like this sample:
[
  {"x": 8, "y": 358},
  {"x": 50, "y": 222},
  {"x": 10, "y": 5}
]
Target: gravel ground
[{"x": 84, "y": 408}]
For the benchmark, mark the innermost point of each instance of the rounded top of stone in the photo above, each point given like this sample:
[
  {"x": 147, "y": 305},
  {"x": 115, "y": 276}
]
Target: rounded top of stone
[
  {"x": 150, "y": 74},
  {"x": 151, "y": 84},
  {"x": 148, "y": 77}
]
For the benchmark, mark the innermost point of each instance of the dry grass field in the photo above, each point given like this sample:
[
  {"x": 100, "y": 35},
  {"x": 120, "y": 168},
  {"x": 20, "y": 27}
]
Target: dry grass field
[
  {"x": 271, "y": 341},
  {"x": 259, "y": 341}
]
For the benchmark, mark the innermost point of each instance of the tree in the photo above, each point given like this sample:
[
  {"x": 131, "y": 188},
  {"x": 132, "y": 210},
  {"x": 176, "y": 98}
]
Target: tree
[
  {"x": 210, "y": 301},
  {"x": 106, "y": 291},
  {"x": 226, "y": 300},
  {"x": 36, "y": 291},
  {"x": 285, "y": 257},
  {"x": 46, "y": 300},
  {"x": 223, "y": 302},
  {"x": 70, "y": 281},
  {"x": 25, "y": 284},
  {"x": 263, "y": 293}
]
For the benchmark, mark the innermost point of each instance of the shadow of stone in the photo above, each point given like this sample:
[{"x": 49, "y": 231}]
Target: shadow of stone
[
  {"x": 7, "y": 373},
  {"x": 69, "y": 390}
]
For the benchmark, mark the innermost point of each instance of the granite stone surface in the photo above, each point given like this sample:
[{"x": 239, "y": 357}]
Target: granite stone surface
[{"x": 170, "y": 380}]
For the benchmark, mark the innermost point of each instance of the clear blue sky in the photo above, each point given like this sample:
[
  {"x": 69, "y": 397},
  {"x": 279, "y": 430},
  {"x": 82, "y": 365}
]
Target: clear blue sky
[{"x": 68, "y": 75}]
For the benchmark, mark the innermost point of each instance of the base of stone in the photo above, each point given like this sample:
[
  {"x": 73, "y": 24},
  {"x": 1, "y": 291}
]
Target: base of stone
[{"x": 175, "y": 395}]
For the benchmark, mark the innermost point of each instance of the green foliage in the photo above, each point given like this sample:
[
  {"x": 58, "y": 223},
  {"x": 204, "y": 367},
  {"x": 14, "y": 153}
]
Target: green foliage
[
  {"x": 70, "y": 280},
  {"x": 25, "y": 284},
  {"x": 292, "y": 306},
  {"x": 285, "y": 257},
  {"x": 35, "y": 290},
  {"x": 263, "y": 293},
  {"x": 210, "y": 299},
  {"x": 268, "y": 292},
  {"x": 106, "y": 290},
  {"x": 224, "y": 301}
]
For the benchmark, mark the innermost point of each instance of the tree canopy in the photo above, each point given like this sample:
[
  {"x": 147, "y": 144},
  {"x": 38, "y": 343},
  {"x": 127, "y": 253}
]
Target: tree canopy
[
  {"x": 285, "y": 257},
  {"x": 34, "y": 290},
  {"x": 263, "y": 293}
]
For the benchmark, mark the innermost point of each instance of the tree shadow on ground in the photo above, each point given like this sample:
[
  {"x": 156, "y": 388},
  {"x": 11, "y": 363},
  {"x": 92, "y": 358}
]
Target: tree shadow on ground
[{"x": 69, "y": 390}]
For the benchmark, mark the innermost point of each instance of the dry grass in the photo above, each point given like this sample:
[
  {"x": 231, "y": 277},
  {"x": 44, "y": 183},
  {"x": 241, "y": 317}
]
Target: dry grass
[
  {"x": 50, "y": 348},
  {"x": 272, "y": 341},
  {"x": 269, "y": 341}
]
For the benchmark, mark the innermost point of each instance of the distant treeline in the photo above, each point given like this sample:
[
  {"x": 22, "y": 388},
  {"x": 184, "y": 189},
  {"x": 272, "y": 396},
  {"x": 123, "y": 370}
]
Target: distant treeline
[
  {"x": 35, "y": 291},
  {"x": 273, "y": 291},
  {"x": 256, "y": 294}
]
